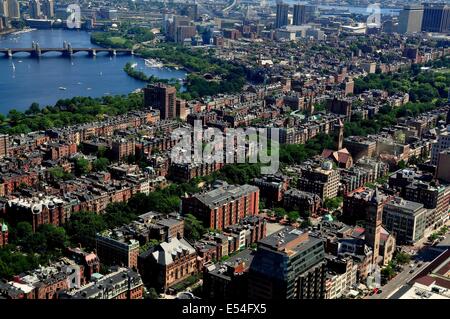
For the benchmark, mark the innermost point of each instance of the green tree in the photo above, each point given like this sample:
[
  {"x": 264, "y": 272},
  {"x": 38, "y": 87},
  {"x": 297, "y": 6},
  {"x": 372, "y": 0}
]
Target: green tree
[
  {"x": 333, "y": 203},
  {"x": 402, "y": 164},
  {"x": 55, "y": 237},
  {"x": 101, "y": 164},
  {"x": 280, "y": 212},
  {"x": 193, "y": 228},
  {"x": 83, "y": 227},
  {"x": 118, "y": 214},
  {"x": 33, "y": 109},
  {"x": 388, "y": 272},
  {"x": 82, "y": 166},
  {"x": 402, "y": 258},
  {"x": 293, "y": 216}
]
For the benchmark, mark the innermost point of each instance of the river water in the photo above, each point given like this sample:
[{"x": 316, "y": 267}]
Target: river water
[{"x": 24, "y": 80}]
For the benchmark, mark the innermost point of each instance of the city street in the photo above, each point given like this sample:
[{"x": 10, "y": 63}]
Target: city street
[
  {"x": 424, "y": 256},
  {"x": 398, "y": 281}
]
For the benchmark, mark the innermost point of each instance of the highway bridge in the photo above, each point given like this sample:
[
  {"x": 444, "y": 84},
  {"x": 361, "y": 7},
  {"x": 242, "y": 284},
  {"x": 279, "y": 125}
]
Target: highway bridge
[{"x": 67, "y": 50}]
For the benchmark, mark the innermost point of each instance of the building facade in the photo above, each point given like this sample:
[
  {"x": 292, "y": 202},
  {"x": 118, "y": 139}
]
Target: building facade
[
  {"x": 405, "y": 219},
  {"x": 168, "y": 263},
  {"x": 223, "y": 206},
  {"x": 117, "y": 250},
  {"x": 288, "y": 264}
]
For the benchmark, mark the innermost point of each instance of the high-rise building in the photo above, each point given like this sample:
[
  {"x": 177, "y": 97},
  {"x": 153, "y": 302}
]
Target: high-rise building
[
  {"x": 436, "y": 18},
  {"x": 3, "y": 145},
  {"x": 410, "y": 19},
  {"x": 13, "y": 9},
  {"x": 180, "y": 111},
  {"x": 443, "y": 143},
  {"x": 35, "y": 9},
  {"x": 443, "y": 166},
  {"x": 3, "y": 8},
  {"x": 299, "y": 14},
  {"x": 174, "y": 23},
  {"x": 184, "y": 32},
  {"x": 162, "y": 97},
  {"x": 48, "y": 8},
  {"x": 289, "y": 264},
  {"x": 282, "y": 15}
]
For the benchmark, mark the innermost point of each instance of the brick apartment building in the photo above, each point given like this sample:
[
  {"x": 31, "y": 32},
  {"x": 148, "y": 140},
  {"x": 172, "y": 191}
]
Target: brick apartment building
[
  {"x": 164, "y": 98},
  {"x": 116, "y": 249},
  {"x": 122, "y": 283},
  {"x": 295, "y": 199},
  {"x": 4, "y": 145},
  {"x": 186, "y": 172},
  {"x": 122, "y": 148},
  {"x": 37, "y": 211},
  {"x": 223, "y": 206},
  {"x": 168, "y": 263},
  {"x": 322, "y": 180},
  {"x": 272, "y": 187},
  {"x": 3, "y": 234}
]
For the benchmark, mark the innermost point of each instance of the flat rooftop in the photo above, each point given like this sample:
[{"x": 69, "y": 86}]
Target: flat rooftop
[{"x": 224, "y": 194}]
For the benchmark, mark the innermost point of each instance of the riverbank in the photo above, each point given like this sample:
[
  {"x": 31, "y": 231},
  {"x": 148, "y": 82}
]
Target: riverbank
[
  {"x": 80, "y": 75},
  {"x": 16, "y": 31},
  {"x": 7, "y": 32}
]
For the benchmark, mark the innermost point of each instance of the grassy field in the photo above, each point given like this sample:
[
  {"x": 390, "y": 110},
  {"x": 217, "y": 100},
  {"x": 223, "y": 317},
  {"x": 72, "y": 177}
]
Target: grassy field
[{"x": 117, "y": 40}]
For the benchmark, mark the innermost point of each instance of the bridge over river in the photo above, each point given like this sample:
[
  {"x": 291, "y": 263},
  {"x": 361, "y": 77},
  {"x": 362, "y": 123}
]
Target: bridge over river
[{"x": 67, "y": 50}]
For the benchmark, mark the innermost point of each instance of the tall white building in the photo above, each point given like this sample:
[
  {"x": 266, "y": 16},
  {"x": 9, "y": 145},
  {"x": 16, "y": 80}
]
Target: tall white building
[
  {"x": 3, "y": 8},
  {"x": 13, "y": 9},
  {"x": 443, "y": 143}
]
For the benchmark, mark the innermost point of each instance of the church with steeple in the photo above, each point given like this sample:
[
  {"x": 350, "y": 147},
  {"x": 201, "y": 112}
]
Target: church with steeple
[{"x": 341, "y": 157}]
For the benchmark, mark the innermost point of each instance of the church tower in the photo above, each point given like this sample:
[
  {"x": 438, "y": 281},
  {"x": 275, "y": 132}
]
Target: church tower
[
  {"x": 340, "y": 140},
  {"x": 373, "y": 224}
]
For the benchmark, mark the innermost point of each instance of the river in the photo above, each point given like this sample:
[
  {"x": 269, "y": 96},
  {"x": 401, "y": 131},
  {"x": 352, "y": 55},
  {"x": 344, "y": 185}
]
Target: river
[{"x": 24, "y": 80}]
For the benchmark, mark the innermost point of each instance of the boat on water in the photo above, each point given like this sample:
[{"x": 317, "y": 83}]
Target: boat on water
[
  {"x": 13, "y": 66},
  {"x": 89, "y": 89},
  {"x": 152, "y": 63},
  {"x": 134, "y": 65},
  {"x": 62, "y": 88},
  {"x": 20, "y": 61}
]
